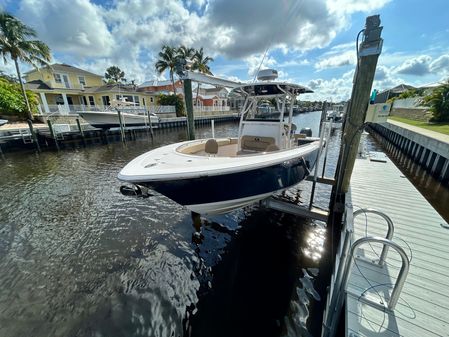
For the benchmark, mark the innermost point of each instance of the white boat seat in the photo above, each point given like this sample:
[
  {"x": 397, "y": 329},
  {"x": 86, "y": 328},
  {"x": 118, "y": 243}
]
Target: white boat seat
[
  {"x": 256, "y": 143},
  {"x": 211, "y": 146},
  {"x": 271, "y": 148}
]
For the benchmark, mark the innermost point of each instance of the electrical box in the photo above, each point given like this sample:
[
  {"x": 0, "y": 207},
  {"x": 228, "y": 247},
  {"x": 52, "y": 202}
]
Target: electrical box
[{"x": 378, "y": 113}]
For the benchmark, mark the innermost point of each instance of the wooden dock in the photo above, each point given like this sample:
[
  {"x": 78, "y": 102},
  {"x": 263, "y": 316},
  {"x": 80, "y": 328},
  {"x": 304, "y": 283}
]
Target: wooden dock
[{"x": 423, "y": 306}]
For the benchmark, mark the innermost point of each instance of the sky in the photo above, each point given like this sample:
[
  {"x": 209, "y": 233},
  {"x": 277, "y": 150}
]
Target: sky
[{"x": 310, "y": 42}]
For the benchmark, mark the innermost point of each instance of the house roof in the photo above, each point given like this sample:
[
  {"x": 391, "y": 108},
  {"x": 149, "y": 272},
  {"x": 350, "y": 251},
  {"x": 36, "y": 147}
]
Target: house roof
[
  {"x": 113, "y": 87},
  {"x": 37, "y": 84},
  {"x": 65, "y": 68},
  {"x": 206, "y": 96},
  {"x": 400, "y": 88},
  {"x": 158, "y": 83}
]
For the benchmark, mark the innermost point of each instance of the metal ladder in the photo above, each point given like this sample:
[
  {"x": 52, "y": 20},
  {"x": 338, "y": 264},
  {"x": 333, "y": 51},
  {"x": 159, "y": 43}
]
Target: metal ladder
[{"x": 342, "y": 270}]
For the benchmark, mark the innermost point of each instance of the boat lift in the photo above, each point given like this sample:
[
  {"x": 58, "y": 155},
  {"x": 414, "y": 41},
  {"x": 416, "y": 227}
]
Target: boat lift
[{"x": 308, "y": 211}]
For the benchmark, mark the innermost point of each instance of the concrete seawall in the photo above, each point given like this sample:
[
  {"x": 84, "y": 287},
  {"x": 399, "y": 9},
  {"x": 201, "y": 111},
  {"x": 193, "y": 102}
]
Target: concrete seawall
[{"x": 429, "y": 149}]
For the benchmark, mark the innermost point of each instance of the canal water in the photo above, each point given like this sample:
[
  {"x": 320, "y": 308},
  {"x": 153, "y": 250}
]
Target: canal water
[{"x": 77, "y": 258}]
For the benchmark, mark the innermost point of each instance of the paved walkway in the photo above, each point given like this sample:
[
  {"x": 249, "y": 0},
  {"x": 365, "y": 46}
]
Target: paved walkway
[{"x": 428, "y": 133}]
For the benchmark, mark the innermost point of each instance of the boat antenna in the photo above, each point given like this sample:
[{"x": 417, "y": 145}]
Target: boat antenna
[{"x": 296, "y": 5}]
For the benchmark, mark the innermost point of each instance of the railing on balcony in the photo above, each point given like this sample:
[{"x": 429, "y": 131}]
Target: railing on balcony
[{"x": 75, "y": 108}]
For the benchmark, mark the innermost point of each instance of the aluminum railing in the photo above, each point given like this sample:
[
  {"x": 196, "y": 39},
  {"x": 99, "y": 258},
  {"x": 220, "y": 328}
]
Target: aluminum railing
[{"x": 345, "y": 254}]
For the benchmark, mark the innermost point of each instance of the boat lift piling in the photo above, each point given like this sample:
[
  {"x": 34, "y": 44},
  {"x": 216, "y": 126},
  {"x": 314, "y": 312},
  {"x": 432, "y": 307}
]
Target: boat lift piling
[
  {"x": 83, "y": 137},
  {"x": 122, "y": 128},
  {"x": 212, "y": 124},
  {"x": 53, "y": 133},
  {"x": 33, "y": 135}
]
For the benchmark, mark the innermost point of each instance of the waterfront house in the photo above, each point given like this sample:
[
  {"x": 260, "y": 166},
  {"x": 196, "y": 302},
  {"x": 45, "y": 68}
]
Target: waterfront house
[
  {"x": 64, "y": 88},
  {"x": 156, "y": 87}
]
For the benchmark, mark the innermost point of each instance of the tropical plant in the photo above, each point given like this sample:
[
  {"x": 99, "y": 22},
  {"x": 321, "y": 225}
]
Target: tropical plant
[
  {"x": 175, "y": 100},
  {"x": 114, "y": 75},
  {"x": 200, "y": 64},
  {"x": 186, "y": 53},
  {"x": 167, "y": 61},
  {"x": 11, "y": 99},
  {"x": 15, "y": 42},
  {"x": 438, "y": 103}
]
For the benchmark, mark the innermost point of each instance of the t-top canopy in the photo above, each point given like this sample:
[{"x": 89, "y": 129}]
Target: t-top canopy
[{"x": 270, "y": 89}]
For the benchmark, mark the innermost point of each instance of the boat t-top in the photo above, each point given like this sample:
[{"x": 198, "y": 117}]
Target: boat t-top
[{"x": 217, "y": 175}]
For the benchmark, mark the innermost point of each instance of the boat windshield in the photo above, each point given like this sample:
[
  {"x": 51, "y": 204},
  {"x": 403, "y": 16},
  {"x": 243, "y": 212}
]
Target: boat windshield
[{"x": 263, "y": 112}]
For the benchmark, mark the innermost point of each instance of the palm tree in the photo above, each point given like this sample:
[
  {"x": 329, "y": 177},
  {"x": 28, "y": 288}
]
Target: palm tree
[
  {"x": 186, "y": 53},
  {"x": 438, "y": 103},
  {"x": 200, "y": 64},
  {"x": 15, "y": 42},
  {"x": 167, "y": 60}
]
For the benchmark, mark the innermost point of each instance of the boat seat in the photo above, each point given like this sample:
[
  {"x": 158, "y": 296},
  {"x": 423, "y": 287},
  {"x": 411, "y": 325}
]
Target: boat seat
[
  {"x": 271, "y": 148},
  {"x": 211, "y": 146},
  {"x": 256, "y": 143}
]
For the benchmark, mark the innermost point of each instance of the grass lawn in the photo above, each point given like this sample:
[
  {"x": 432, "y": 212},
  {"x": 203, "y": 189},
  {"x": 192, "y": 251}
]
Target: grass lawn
[{"x": 441, "y": 127}]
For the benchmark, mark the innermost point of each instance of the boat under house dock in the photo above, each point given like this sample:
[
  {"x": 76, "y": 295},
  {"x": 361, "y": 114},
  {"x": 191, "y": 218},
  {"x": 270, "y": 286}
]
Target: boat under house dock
[{"x": 422, "y": 307}]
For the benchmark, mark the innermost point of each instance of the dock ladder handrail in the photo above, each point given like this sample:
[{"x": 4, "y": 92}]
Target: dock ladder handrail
[
  {"x": 401, "y": 276},
  {"x": 336, "y": 295},
  {"x": 390, "y": 232}
]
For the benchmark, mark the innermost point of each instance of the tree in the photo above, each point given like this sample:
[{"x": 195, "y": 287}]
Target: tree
[
  {"x": 11, "y": 99},
  {"x": 114, "y": 75},
  {"x": 173, "y": 100},
  {"x": 15, "y": 42},
  {"x": 167, "y": 60},
  {"x": 185, "y": 53},
  {"x": 200, "y": 64},
  {"x": 438, "y": 103}
]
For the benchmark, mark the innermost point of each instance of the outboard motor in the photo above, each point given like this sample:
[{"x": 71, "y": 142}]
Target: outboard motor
[
  {"x": 306, "y": 131},
  {"x": 135, "y": 191}
]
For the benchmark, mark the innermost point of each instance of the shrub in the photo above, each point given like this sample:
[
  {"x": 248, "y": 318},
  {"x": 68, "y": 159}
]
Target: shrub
[
  {"x": 438, "y": 103},
  {"x": 12, "y": 102},
  {"x": 175, "y": 100}
]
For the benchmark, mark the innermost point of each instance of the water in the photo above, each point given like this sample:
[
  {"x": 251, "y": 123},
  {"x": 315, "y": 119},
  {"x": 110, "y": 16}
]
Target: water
[{"x": 79, "y": 259}]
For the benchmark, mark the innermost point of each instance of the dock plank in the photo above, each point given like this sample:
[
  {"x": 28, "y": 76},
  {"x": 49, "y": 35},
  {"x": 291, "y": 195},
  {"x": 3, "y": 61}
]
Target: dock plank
[{"x": 423, "y": 307}]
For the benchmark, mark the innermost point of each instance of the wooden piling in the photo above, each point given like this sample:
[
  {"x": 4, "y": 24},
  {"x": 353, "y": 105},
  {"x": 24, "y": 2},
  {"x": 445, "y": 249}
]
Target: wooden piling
[
  {"x": 368, "y": 54},
  {"x": 122, "y": 128},
  {"x": 81, "y": 131},
  {"x": 189, "y": 109},
  {"x": 52, "y": 133},
  {"x": 33, "y": 135}
]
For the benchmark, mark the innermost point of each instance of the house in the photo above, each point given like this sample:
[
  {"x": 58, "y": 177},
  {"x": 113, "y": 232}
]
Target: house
[
  {"x": 157, "y": 87},
  {"x": 213, "y": 99},
  {"x": 385, "y": 95},
  {"x": 64, "y": 88}
]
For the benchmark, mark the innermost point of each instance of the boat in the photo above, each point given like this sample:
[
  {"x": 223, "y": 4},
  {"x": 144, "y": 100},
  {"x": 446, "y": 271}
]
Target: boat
[
  {"x": 107, "y": 119},
  {"x": 214, "y": 176}
]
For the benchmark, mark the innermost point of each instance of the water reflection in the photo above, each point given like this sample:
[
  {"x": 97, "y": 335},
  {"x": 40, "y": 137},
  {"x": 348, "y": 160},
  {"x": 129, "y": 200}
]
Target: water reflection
[{"x": 77, "y": 258}]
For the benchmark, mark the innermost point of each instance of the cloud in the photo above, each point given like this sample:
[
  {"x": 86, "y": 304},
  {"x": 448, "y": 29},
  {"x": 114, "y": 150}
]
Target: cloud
[
  {"x": 69, "y": 26},
  {"x": 339, "y": 60},
  {"x": 440, "y": 64},
  {"x": 131, "y": 32},
  {"x": 418, "y": 66}
]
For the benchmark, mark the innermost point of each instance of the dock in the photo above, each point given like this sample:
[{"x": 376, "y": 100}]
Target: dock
[{"x": 423, "y": 305}]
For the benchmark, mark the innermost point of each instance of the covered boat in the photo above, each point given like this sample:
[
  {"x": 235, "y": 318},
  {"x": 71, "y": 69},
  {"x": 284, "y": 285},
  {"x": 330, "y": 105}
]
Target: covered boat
[
  {"x": 110, "y": 119},
  {"x": 211, "y": 176}
]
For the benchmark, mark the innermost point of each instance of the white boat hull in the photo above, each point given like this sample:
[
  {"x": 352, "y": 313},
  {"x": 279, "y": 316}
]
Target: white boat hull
[{"x": 110, "y": 119}]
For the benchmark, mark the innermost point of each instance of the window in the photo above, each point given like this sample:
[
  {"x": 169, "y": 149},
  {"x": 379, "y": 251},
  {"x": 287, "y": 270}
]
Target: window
[
  {"x": 84, "y": 100},
  {"x": 136, "y": 100},
  {"x": 151, "y": 99},
  {"x": 57, "y": 78},
  {"x": 91, "y": 100},
  {"x": 106, "y": 100},
  {"x": 82, "y": 80},
  {"x": 143, "y": 101}
]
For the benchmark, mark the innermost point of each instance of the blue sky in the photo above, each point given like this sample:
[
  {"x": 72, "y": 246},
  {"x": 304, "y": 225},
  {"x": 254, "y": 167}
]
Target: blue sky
[{"x": 311, "y": 42}]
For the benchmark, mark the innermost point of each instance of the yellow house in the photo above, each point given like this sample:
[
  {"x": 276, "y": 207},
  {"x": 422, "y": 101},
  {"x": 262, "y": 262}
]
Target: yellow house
[{"x": 64, "y": 88}]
